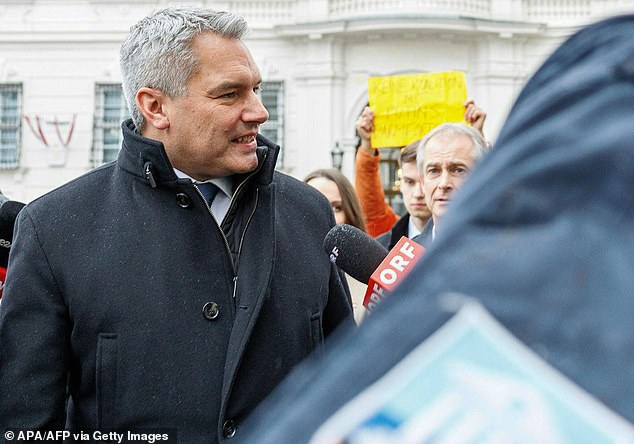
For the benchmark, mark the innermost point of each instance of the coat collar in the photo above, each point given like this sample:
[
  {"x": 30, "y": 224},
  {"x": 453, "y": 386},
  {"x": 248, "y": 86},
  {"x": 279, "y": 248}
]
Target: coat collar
[
  {"x": 146, "y": 158},
  {"x": 399, "y": 229}
]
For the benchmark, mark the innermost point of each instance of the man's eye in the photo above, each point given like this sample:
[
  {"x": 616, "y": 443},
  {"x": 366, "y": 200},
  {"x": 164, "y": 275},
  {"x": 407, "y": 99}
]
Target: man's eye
[
  {"x": 230, "y": 95},
  {"x": 257, "y": 89}
]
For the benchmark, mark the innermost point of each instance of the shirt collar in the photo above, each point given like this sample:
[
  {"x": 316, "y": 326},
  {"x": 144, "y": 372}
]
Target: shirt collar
[
  {"x": 224, "y": 183},
  {"x": 412, "y": 230}
]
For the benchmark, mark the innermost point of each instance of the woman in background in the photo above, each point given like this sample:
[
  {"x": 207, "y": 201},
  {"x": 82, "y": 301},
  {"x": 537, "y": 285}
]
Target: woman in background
[{"x": 345, "y": 204}]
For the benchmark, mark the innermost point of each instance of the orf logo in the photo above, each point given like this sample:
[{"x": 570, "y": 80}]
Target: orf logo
[{"x": 396, "y": 265}]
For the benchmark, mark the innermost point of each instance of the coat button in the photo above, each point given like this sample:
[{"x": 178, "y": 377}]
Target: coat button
[
  {"x": 229, "y": 428},
  {"x": 210, "y": 310},
  {"x": 183, "y": 200}
]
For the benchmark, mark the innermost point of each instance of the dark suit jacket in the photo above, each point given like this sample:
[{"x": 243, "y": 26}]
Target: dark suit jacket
[
  {"x": 425, "y": 236},
  {"x": 390, "y": 238},
  {"x": 401, "y": 228}
]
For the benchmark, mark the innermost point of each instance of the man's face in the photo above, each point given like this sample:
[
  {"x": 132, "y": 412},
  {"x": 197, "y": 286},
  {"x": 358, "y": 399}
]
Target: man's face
[
  {"x": 413, "y": 196},
  {"x": 448, "y": 159},
  {"x": 212, "y": 128}
]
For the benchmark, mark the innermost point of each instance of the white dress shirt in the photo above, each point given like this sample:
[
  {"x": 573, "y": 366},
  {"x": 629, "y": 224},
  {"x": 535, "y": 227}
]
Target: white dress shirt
[
  {"x": 220, "y": 204},
  {"x": 412, "y": 230}
]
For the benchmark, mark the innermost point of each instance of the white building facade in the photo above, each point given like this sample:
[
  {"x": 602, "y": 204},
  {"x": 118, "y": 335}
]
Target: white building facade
[{"x": 61, "y": 105}]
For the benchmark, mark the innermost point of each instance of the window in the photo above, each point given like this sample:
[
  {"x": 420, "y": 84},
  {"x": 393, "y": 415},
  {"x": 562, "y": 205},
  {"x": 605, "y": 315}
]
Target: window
[
  {"x": 110, "y": 111},
  {"x": 273, "y": 100},
  {"x": 389, "y": 170},
  {"x": 10, "y": 101}
]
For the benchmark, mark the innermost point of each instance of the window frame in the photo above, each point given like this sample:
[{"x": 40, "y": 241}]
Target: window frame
[
  {"x": 11, "y": 162},
  {"x": 102, "y": 123},
  {"x": 274, "y": 125}
]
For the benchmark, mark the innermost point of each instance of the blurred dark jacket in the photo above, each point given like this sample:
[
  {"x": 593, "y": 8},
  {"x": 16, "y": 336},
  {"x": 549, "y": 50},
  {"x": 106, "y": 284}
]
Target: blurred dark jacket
[{"x": 541, "y": 235}]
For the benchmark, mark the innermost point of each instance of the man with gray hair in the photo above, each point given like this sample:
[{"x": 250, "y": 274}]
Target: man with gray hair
[
  {"x": 175, "y": 287},
  {"x": 444, "y": 157}
]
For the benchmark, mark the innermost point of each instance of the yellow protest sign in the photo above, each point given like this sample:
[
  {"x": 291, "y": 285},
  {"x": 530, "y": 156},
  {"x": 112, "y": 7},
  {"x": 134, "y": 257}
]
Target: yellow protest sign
[{"x": 406, "y": 107}]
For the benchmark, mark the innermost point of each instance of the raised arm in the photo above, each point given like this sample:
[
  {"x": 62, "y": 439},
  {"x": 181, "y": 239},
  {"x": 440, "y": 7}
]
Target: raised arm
[
  {"x": 475, "y": 116},
  {"x": 379, "y": 216}
]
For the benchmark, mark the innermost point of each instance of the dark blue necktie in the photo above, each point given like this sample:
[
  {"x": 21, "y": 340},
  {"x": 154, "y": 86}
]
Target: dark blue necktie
[{"x": 209, "y": 191}]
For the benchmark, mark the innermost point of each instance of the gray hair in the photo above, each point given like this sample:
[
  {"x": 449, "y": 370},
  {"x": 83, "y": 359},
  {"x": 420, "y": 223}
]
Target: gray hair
[
  {"x": 480, "y": 146},
  {"x": 157, "y": 53}
]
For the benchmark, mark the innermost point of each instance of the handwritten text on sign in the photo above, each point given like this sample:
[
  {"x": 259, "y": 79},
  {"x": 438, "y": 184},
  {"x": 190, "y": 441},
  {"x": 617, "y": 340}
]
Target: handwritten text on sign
[{"x": 407, "y": 107}]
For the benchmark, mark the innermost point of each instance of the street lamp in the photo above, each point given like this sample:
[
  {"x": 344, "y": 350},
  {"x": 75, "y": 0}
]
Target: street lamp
[{"x": 337, "y": 156}]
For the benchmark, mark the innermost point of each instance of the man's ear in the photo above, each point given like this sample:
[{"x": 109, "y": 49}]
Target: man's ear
[{"x": 151, "y": 103}]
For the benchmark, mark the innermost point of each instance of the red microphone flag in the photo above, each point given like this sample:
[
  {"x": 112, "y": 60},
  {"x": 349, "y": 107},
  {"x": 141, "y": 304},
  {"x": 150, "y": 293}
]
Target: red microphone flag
[
  {"x": 3, "y": 277},
  {"x": 391, "y": 272}
]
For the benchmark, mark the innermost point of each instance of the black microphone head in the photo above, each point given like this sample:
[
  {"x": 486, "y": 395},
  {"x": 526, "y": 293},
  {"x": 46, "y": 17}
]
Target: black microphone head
[
  {"x": 354, "y": 251},
  {"x": 8, "y": 213}
]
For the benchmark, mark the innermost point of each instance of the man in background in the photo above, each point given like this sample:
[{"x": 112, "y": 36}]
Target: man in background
[
  {"x": 381, "y": 220},
  {"x": 445, "y": 157}
]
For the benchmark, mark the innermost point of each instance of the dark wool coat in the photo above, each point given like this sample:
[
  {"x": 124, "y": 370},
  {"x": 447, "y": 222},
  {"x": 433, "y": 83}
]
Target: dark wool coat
[{"x": 122, "y": 284}]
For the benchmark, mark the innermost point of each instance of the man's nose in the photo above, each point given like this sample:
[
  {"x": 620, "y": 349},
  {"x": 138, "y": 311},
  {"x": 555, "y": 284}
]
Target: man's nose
[
  {"x": 255, "y": 111},
  {"x": 418, "y": 189},
  {"x": 444, "y": 181}
]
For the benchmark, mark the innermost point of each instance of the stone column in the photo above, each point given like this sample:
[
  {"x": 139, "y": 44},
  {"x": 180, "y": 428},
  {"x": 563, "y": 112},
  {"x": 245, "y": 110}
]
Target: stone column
[{"x": 319, "y": 82}]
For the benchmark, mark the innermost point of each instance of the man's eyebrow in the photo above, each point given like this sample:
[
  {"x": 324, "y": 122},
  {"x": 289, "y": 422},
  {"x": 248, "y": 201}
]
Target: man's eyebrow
[
  {"x": 225, "y": 86},
  {"x": 229, "y": 85}
]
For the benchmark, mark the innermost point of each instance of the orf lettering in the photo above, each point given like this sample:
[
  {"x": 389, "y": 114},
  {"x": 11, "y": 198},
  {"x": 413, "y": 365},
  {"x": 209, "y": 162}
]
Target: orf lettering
[{"x": 388, "y": 276}]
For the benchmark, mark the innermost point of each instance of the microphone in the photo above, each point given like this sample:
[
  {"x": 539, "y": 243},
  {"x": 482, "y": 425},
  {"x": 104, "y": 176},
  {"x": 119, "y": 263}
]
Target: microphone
[
  {"x": 354, "y": 251},
  {"x": 366, "y": 260},
  {"x": 8, "y": 213}
]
